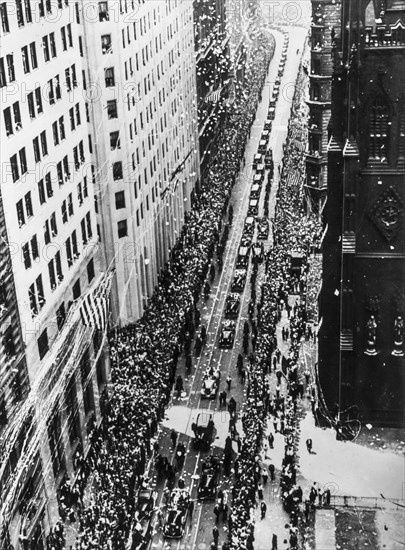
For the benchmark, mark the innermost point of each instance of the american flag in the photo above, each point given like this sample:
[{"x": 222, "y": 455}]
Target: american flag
[{"x": 94, "y": 305}]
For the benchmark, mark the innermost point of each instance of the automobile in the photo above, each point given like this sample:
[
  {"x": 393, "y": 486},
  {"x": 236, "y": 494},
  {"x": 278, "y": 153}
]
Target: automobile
[
  {"x": 268, "y": 159},
  {"x": 141, "y": 531},
  {"x": 257, "y": 159},
  {"x": 258, "y": 178},
  {"x": 267, "y": 124},
  {"x": 227, "y": 334},
  {"x": 258, "y": 252},
  {"x": 255, "y": 191},
  {"x": 249, "y": 226},
  {"x": 242, "y": 260},
  {"x": 204, "y": 431},
  {"x": 239, "y": 280},
  {"x": 253, "y": 208},
  {"x": 281, "y": 70},
  {"x": 209, "y": 479},
  {"x": 260, "y": 168},
  {"x": 176, "y": 515},
  {"x": 272, "y": 103},
  {"x": 232, "y": 306},
  {"x": 263, "y": 228},
  {"x": 262, "y": 147},
  {"x": 210, "y": 384},
  {"x": 265, "y": 135},
  {"x": 272, "y": 112}
]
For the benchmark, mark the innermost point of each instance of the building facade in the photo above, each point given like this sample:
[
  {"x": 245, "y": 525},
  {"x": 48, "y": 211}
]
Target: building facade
[
  {"x": 324, "y": 26},
  {"x": 143, "y": 114},
  {"x": 49, "y": 225},
  {"x": 361, "y": 347}
]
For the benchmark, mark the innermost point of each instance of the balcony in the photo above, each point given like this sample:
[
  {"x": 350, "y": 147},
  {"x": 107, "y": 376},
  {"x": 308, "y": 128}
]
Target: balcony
[
  {"x": 349, "y": 243},
  {"x": 314, "y": 157},
  {"x": 385, "y": 37},
  {"x": 346, "y": 340}
]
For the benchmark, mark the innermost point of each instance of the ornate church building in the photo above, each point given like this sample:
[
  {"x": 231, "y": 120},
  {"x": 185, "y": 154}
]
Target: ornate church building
[{"x": 362, "y": 301}]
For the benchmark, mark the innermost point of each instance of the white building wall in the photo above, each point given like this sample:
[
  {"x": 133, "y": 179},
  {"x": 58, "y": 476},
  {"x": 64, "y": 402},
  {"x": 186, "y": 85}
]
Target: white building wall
[{"x": 152, "y": 57}]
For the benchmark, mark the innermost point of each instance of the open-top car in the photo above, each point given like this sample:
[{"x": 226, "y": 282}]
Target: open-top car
[
  {"x": 210, "y": 383},
  {"x": 209, "y": 479},
  {"x": 141, "y": 530},
  {"x": 203, "y": 429},
  {"x": 176, "y": 516},
  {"x": 239, "y": 280},
  {"x": 263, "y": 228},
  {"x": 253, "y": 208},
  {"x": 255, "y": 191},
  {"x": 242, "y": 260},
  {"x": 227, "y": 334},
  {"x": 258, "y": 178},
  {"x": 268, "y": 159},
  {"x": 258, "y": 252},
  {"x": 271, "y": 115},
  {"x": 232, "y": 305},
  {"x": 257, "y": 159},
  {"x": 260, "y": 168},
  {"x": 265, "y": 135},
  {"x": 267, "y": 124},
  {"x": 262, "y": 147},
  {"x": 249, "y": 226}
]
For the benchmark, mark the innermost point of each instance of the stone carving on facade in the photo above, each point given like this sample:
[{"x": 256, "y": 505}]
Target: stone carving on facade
[
  {"x": 398, "y": 350},
  {"x": 387, "y": 213},
  {"x": 371, "y": 336}
]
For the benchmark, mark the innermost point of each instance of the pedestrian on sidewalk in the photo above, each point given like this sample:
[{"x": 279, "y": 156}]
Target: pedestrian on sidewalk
[
  {"x": 191, "y": 510},
  {"x": 179, "y": 385},
  {"x": 216, "y": 513},
  {"x": 229, "y": 382},
  {"x": 260, "y": 492},
  {"x": 263, "y": 509},
  {"x": 215, "y": 534},
  {"x": 271, "y": 470},
  {"x": 326, "y": 496},
  {"x": 309, "y": 445},
  {"x": 173, "y": 437},
  {"x": 271, "y": 440},
  {"x": 265, "y": 476},
  {"x": 274, "y": 542},
  {"x": 222, "y": 399}
]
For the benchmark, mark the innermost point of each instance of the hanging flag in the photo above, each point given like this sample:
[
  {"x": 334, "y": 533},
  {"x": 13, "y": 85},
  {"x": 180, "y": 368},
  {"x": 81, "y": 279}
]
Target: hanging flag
[{"x": 94, "y": 306}]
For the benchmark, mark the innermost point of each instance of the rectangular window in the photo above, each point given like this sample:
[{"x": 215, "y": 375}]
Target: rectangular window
[
  {"x": 43, "y": 344},
  {"x": 88, "y": 223},
  {"x": 37, "y": 151},
  {"x": 44, "y": 145},
  {"x": 28, "y": 205},
  {"x": 25, "y": 59},
  {"x": 103, "y": 11},
  {"x": 58, "y": 264},
  {"x": 69, "y": 255},
  {"x": 55, "y": 133},
  {"x": 84, "y": 232},
  {"x": 74, "y": 245},
  {"x": 60, "y": 316},
  {"x": 76, "y": 290},
  {"x": 122, "y": 229},
  {"x": 26, "y": 256},
  {"x": 62, "y": 128},
  {"x": 34, "y": 248},
  {"x": 8, "y": 121},
  {"x": 69, "y": 33},
  {"x": 79, "y": 194},
  {"x": 52, "y": 274},
  {"x": 109, "y": 77},
  {"x": 48, "y": 185},
  {"x": 120, "y": 200},
  {"x": 31, "y": 105},
  {"x": 54, "y": 227},
  {"x": 112, "y": 108},
  {"x": 10, "y": 67},
  {"x": 64, "y": 212},
  {"x": 52, "y": 44},
  {"x": 106, "y": 45},
  {"x": 90, "y": 271},
  {"x": 20, "y": 14},
  {"x": 41, "y": 192},
  {"x": 33, "y": 54},
  {"x": 4, "y": 17},
  {"x": 70, "y": 204},
  {"x": 72, "y": 119},
  {"x": 20, "y": 213},
  {"x": 38, "y": 100},
  {"x": 117, "y": 171},
  {"x": 45, "y": 47},
  {"x": 77, "y": 111},
  {"x": 63, "y": 36},
  {"x": 28, "y": 13},
  {"x": 47, "y": 233}
]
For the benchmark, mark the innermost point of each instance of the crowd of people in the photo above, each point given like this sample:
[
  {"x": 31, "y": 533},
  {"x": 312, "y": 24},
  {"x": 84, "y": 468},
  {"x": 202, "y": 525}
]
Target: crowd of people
[
  {"x": 144, "y": 355},
  {"x": 293, "y": 230}
]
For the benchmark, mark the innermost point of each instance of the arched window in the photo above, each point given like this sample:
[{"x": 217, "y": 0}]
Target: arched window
[{"x": 378, "y": 133}]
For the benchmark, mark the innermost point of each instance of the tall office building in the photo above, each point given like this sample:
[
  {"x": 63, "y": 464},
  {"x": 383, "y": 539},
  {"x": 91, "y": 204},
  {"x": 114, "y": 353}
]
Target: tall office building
[
  {"x": 141, "y": 69},
  {"x": 100, "y": 159},
  {"x": 324, "y": 26},
  {"x": 362, "y": 306}
]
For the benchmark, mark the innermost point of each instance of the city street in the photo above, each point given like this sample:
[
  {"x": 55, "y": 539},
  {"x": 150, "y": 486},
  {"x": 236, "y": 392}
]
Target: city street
[{"x": 183, "y": 411}]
